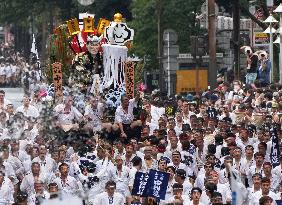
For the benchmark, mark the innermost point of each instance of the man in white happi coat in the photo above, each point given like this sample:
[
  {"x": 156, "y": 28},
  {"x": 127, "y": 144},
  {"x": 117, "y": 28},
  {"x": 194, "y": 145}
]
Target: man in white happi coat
[
  {"x": 94, "y": 114},
  {"x": 3, "y": 101},
  {"x": 27, "y": 109},
  {"x": 27, "y": 184},
  {"x": 265, "y": 191},
  {"x": 110, "y": 196},
  {"x": 120, "y": 175},
  {"x": 6, "y": 190},
  {"x": 47, "y": 164},
  {"x": 67, "y": 185},
  {"x": 39, "y": 195},
  {"x": 65, "y": 114}
]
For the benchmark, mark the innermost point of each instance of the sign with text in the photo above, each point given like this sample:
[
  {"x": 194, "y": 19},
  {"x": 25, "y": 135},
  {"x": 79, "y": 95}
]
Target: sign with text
[
  {"x": 260, "y": 39},
  {"x": 103, "y": 23},
  {"x": 129, "y": 79},
  {"x": 275, "y": 151},
  {"x": 152, "y": 184},
  {"x": 57, "y": 79},
  {"x": 157, "y": 182},
  {"x": 140, "y": 182}
]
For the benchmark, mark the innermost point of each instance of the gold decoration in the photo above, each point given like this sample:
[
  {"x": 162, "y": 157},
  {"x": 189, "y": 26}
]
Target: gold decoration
[
  {"x": 103, "y": 23},
  {"x": 118, "y": 17},
  {"x": 73, "y": 26},
  {"x": 58, "y": 30},
  {"x": 88, "y": 24}
]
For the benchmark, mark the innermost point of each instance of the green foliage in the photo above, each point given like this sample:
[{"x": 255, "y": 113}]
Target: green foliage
[
  {"x": 177, "y": 14},
  {"x": 145, "y": 25},
  {"x": 59, "y": 51},
  {"x": 138, "y": 73},
  {"x": 180, "y": 16},
  {"x": 38, "y": 16},
  {"x": 107, "y": 9}
]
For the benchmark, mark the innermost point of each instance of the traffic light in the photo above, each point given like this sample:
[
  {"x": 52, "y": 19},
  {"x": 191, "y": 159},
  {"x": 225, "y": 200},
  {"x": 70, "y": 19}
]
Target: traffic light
[
  {"x": 245, "y": 39},
  {"x": 199, "y": 45},
  {"x": 202, "y": 45}
]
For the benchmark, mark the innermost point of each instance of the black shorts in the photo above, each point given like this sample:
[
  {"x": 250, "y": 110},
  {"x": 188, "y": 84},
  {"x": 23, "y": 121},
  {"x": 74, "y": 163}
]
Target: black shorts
[{"x": 132, "y": 133}]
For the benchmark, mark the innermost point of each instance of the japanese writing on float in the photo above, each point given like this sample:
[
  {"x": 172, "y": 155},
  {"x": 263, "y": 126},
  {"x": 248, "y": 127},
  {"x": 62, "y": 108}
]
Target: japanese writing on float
[
  {"x": 73, "y": 26},
  {"x": 103, "y": 23},
  {"x": 57, "y": 79},
  {"x": 129, "y": 79}
]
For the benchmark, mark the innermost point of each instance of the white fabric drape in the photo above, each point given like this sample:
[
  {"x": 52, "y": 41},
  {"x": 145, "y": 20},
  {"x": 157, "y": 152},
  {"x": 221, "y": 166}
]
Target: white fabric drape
[{"x": 114, "y": 58}]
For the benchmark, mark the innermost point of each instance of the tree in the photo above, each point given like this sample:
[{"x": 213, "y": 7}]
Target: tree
[
  {"x": 41, "y": 16},
  {"x": 34, "y": 16},
  {"x": 145, "y": 25},
  {"x": 107, "y": 9},
  {"x": 178, "y": 15}
]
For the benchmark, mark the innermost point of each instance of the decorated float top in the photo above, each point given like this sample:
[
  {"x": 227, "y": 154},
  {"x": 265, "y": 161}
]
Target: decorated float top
[{"x": 100, "y": 58}]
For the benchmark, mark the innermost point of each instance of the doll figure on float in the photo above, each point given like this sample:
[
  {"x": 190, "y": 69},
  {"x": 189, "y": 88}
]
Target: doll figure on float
[{"x": 88, "y": 62}]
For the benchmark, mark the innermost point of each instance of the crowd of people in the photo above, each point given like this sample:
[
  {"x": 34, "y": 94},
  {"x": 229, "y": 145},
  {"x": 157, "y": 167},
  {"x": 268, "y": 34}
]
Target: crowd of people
[
  {"x": 58, "y": 151},
  {"x": 217, "y": 146},
  {"x": 16, "y": 70}
]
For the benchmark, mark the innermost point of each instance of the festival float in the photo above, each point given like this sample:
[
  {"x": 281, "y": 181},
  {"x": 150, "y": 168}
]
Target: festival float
[{"x": 93, "y": 60}]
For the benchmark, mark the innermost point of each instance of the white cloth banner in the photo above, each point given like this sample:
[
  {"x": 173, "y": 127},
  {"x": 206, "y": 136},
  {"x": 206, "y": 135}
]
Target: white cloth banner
[{"x": 114, "y": 58}]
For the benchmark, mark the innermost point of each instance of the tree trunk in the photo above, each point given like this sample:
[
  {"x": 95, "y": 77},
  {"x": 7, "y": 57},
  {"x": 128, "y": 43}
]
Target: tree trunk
[{"x": 160, "y": 40}]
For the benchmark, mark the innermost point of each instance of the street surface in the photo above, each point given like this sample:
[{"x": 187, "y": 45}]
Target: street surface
[{"x": 15, "y": 95}]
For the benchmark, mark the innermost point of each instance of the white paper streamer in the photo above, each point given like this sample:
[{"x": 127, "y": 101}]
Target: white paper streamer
[{"x": 114, "y": 58}]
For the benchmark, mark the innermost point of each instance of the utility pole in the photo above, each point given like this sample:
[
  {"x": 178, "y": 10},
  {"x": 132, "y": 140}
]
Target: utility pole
[
  {"x": 236, "y": 38},
  {"x": 212, "y": 44},
  {"x": 161, "y": 70},
  {"x": 168, "y": 66}
]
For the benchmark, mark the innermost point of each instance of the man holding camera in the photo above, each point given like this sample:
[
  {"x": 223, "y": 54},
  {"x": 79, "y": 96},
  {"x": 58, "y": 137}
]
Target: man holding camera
[{"x": 252, "y": 65}]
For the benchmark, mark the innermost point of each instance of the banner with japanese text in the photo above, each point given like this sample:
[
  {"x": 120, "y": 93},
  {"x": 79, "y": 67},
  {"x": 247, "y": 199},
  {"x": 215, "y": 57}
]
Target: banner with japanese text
[
  {"x": 57, "y": 79},
  {"x": 275, "y": 151},
  {"x": 153, "y": 184},
  {"x": 140, "y": 182},
  {"x": 157, "y": 184},
  {"x": 129, "y": 79}
]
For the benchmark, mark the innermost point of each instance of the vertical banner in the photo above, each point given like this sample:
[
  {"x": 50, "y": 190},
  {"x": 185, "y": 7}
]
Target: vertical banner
[
  {"x": 129, "y": 79},
  {"x": 140, "y": 184},
  {"x": 275, "y": 151},
  {"x": 57, "y": 79},
  {"x": 157, "y": 184},
  {"x": 88, "y": 24},
  {"x": 103, "y": 23},
  {"x": 153, "y": 184},
  {"x": 279, "y": 202},
  {"x": 73, "y": 26}
]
